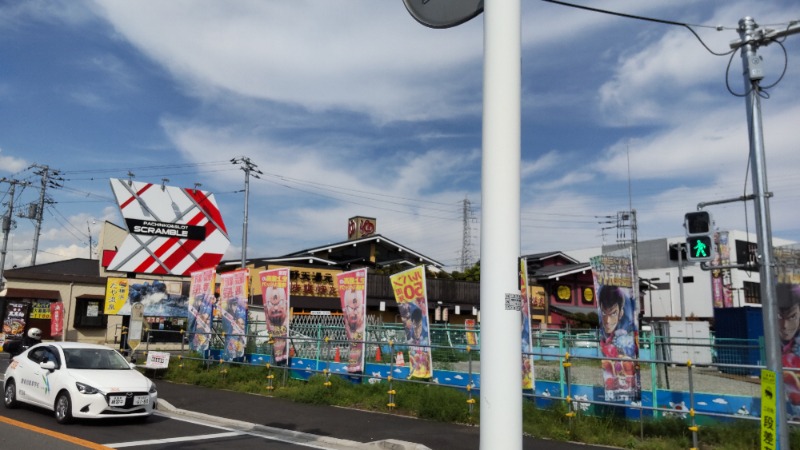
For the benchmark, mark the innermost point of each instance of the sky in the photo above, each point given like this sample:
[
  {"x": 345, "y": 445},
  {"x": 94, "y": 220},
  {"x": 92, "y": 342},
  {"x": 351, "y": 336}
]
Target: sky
[{"x": 352, "y": 108}]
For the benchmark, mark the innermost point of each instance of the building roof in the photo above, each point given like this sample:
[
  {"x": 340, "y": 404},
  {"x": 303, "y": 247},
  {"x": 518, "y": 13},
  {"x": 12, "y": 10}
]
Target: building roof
[
  {"x": 550, "y": 255},
  {"x": 375, "y": 250},
  {"x": 79, "y": 270},
  {"x": 553, "y": 272}
]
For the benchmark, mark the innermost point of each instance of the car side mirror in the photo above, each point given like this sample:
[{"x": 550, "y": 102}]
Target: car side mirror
[{"x": 48, "y": 365}]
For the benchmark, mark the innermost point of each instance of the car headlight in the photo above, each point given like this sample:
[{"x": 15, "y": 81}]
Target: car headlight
[
  {"x": 153, "y": 389},
  {"x": 85, "y": 389}
]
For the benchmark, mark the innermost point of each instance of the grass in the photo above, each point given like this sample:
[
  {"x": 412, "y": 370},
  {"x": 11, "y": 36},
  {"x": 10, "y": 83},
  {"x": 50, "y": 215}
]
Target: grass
[{"x": 445, "y": 404}]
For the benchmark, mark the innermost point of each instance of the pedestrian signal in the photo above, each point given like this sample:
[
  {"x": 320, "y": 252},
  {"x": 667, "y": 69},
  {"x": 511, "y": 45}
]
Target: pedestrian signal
[
  {"x": 697, "y": 223},
  {"x": 700, "y": 248}
]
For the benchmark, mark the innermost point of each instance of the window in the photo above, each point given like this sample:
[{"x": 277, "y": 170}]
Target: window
[
  {"x": 564, "y": 294},
  {"x": 89, "y": 313},
  {"x": 588, "y": 296},
  {"x": 752, "y": 292}
]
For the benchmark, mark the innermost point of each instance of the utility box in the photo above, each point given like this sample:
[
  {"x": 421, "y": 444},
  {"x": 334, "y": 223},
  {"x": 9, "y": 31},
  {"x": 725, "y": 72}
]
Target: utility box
[{"x": 687, "y": 341}]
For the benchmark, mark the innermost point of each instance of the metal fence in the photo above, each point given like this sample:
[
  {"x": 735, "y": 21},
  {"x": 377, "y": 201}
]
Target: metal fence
[{"x": 698, "y": 379}]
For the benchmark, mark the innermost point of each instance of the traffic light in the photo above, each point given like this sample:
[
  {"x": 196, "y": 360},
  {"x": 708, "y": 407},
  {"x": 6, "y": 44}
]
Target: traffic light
[{"x": 699, "y": 236}]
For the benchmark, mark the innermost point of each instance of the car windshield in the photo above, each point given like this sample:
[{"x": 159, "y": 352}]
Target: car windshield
[{"x": 94, "y": 359}]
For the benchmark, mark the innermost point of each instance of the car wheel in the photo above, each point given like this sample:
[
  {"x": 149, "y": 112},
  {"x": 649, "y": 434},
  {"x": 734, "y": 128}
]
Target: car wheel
[
  {"x": 10, "y": 396},
  {"x": 63, "y": 408}
]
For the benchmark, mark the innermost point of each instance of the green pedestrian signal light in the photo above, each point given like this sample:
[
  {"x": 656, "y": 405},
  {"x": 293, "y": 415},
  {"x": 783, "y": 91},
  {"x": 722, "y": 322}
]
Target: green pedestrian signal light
[
  {"x": 700, "y": 248},
  {"x": 699, "y": 236}
]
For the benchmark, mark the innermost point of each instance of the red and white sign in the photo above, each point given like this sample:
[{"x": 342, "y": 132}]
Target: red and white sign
[
  {"x": 157, "y": 360},
  {"x": 173, "y": 231}
]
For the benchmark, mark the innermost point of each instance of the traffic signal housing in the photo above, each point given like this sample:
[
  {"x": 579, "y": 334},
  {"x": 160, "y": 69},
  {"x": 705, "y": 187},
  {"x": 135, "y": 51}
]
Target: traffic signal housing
[{"x": 699, "y": 236}]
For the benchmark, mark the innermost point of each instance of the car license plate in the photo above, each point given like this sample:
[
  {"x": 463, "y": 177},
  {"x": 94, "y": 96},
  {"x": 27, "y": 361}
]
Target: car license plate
[
  {"x": 116, "y": 400},
  {"x": 141, "y": 400}
]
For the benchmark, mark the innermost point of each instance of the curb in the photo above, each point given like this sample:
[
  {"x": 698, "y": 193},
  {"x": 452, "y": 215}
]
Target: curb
[{"x": 288, "y": 435}]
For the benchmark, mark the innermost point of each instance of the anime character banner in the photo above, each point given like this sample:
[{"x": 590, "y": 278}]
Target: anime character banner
[
  {"x": 788, "y": 298},
  {"x": 352, "y": 294},
  {"x": 275, "y": 294},
  {"x": 233, "y": 310},
  {"x": 160, "y": 298},
  {"x": 527, "y": 347},
  {"x": 721, "y": 291},
  {"x": 410, "y": 292},
  {"x": 617, "y": 308},
  {"x": 200, "y": 309}
]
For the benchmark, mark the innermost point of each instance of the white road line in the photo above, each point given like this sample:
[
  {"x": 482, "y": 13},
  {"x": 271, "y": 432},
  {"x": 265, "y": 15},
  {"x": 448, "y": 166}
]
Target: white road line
[{"x": 198, "y": 437}]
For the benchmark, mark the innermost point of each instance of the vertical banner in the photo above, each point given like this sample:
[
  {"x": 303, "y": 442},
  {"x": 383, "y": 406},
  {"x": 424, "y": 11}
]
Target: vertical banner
[
  {"x": 353, "y": 296},
  {"x": 788, "y": 299},
  {"x": 56, "y": 319},
  {"x": 14, "y": 325},
  {"x": 275, "y": 295},
  {"x": 233, "y": 309},
  {"x": 471, "y": 336},
  {"x": 527, "y": 348},
  {"x": 721, "y": 291},
  {"x": 201, "y": 309},
  {"x": 410, "y": 292},
  {"x": 617, "y": 309},
  {"x": 116, "y": 296}
]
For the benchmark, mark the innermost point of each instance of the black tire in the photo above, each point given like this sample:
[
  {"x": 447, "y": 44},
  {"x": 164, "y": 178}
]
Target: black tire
[
  {"x": 63, "y": 408},
  {"x": 10, "y": 395}
]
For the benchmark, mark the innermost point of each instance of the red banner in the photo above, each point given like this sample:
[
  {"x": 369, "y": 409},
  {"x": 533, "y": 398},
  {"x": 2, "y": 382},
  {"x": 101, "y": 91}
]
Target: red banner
[{"x": 56, "y": 319}]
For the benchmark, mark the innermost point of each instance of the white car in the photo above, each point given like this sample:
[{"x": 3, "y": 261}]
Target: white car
[{"x": 75, "y": 380}]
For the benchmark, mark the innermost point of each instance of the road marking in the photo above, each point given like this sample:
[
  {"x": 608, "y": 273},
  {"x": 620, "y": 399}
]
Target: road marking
[
  {"x": 198, "y": 437},
  {"x": 54, "y": 434}
]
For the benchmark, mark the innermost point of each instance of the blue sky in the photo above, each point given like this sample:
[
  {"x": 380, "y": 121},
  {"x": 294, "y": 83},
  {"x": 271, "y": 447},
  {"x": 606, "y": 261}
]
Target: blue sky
[{"x": 353, "y": 108}]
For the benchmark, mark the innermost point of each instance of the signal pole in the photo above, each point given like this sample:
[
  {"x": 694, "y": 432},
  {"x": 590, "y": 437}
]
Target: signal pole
[
  {"x": 751, "y": 37},
  {"x": 44, "y": 172}
]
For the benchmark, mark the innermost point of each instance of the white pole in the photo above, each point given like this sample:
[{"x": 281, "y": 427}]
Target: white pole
[{"x": 501, "y": 348}]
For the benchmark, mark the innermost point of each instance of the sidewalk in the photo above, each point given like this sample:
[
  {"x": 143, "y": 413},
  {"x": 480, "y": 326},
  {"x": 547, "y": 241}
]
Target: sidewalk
[{"x": 335, "y": 423}]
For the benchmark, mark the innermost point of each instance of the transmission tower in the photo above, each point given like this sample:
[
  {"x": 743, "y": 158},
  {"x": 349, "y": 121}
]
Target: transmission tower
[{"x": 466, "y": 235}]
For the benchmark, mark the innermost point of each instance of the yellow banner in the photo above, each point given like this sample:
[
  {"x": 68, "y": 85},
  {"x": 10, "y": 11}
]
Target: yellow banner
[
  {"x": 769, "y": 428},
  {"x": 116, "y": 295}
]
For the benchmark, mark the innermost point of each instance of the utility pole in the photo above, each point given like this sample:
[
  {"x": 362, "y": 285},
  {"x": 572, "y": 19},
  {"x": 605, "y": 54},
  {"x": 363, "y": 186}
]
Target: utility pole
[
  {"x": 249, "y": 168},
  {"x": 752, "y": 37},
  {"x": 7, "y": 224},
  {"x": 37, "y": 216},
  {"x": 466, "y": 242}
]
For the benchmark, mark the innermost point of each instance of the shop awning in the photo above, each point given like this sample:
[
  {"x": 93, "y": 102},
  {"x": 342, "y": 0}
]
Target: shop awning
[{"x": 43, "y": 294}]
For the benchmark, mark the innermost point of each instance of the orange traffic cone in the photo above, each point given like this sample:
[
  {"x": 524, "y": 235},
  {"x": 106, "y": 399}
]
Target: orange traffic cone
[
  {"x": 337, "y": 358},
  {"x": 378, "y": 355}
]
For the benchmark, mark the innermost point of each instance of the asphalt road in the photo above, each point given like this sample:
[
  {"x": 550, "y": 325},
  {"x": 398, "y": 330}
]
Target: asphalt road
[{"x": 192, "y": 417}]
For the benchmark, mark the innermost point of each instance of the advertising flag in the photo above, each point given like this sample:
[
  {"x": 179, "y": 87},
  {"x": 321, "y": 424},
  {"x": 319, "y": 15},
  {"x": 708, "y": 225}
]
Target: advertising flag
[
  {"x": 56, "y": 318},
  {"x": 617, "y": 308},
  {"x": 527, "y": 348},
  {"x": 275, "y": 295},
  {"x": 233, "y": 295},
  {"x": 353, "y": 296},
  {"x": 788, "y": 323},
  {"x": 410, "y": 292},
  {"x": 201, "y": 309},
  {"x": 721, "y": 290}
]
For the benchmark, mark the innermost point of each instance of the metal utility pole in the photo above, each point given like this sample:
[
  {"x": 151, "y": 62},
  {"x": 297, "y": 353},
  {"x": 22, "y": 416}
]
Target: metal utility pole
[
  {"x": 7, "y": 224},
  {"x": 751, "y": 37},
  {"x": 249, "y": 168},
  {"x": 466, "y": 235},
  {"x": 44, "y": 172}
]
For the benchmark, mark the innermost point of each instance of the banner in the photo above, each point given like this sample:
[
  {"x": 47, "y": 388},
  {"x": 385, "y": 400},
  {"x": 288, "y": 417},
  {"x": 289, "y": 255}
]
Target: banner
[
  {"x": 471, "y": 336},
  {"x": 527, "y": 347},
  {"x": 721, "y": 291},
  {"x": 56, "y": 318},
  {"x": 275, "y": 295},
  {"x": 14, "y": 325},
  {"x": 200, "y": 308},
  {"x": 40, "y": 309},
  {"x": 233, "y": 309},
  {"x": 788, "y": 298},
  {"x": 617, "y": 310},
  {"x": 116, "y": 296},
  {"x": 410, "y": 292},
  {"x": 353, "y": 296}
]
